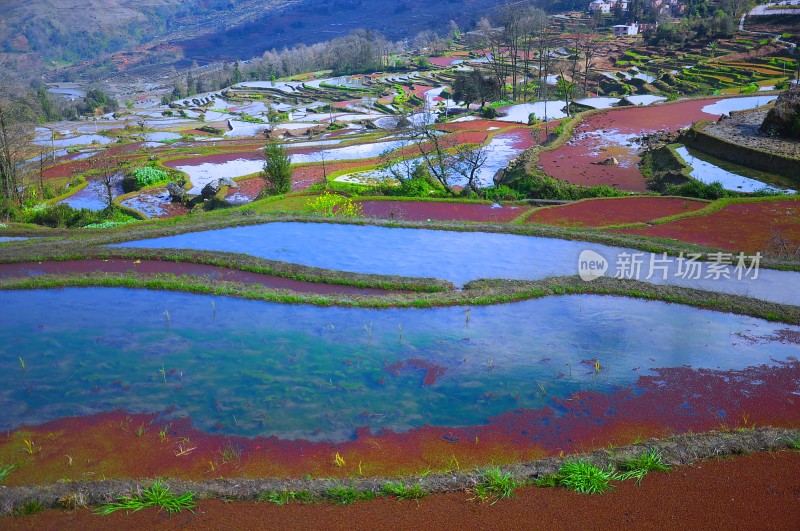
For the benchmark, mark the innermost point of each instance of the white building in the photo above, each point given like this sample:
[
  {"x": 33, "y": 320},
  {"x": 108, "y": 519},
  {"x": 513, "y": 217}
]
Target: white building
[
  {"x": 600, "y": 5},
  {"x": 605, "y": 6},
  {"x": 623, "y": 30}
]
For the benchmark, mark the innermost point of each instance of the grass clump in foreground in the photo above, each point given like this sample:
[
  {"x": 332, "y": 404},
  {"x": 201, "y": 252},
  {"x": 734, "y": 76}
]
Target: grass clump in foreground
[
  {"x": 158, "y": 495},
  {"x": 794, "y": 444},
  {"x": 494, "y": 484},
  {"x": 639, "y": 467},
  {"x": 345, "y": 495},
  {"x": 403, "y": 492},
  {"x": 580, "y": 476}
]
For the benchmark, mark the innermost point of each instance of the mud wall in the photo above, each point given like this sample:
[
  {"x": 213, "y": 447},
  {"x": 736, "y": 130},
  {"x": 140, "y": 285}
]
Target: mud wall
[{"x": 752, "y": 157}]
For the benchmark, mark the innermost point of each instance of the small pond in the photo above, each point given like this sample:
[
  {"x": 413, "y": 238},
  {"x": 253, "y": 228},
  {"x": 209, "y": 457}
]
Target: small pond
[
  {"x": 75, "y": 141},
  {"x": 645, "y": 99},
  {"x": 520, "y": 113},
  {"x": 599, "y": 102},
  {"x": 355, "y": 152},
  {"x": 499, "y": 151},
  {"x": 202, "y": 174},
  {"x": 455, "y": 256},
  {"x": 708, "y": 172},
  {"x": 253, "y": 368},
  {"x": 738, "y": 104},
  {"x": 94, "y": 195},
  {"x": 161, "y": 136}
]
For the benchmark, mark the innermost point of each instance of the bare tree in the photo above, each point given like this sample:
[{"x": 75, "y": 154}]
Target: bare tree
[
  {"x": 468, "y": 161},
  {"x": 494, "y": 39},
  {"x": 513, "y": 30},
  {"x": 565, "y": 87},
  {"x": 443, "y": 159},
  {"x": 393, "y": 163},
  {"x": 589, "y": 46},
  {"x": 107, "y": 175},
  {"x": 532, "y": 21},
  {"x": 17, "y": 121}
]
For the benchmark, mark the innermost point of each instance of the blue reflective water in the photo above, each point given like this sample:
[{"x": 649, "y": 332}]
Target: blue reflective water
[
  {"x": 455, "y": 256},
  {"x": 255, "y": 368},
  {"x": 707, "y": 172}
]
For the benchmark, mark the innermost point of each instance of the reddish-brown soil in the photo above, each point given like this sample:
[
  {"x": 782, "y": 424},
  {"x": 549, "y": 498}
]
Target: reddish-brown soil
[
  {"x": 151, "y": 267},
  {"x": 443, "y": 61},
  {"x": 572, "y": 162},
  {"x": 424, "y": 210},
  {"x": 247, "y": 190},
  {"x": 305, "y": 176},
  {"x": 673, "y": 400},
  {"x": 605, "y": 212},
  {"x": 741, "y": 227},
  {"x": 758, "y": 491}
]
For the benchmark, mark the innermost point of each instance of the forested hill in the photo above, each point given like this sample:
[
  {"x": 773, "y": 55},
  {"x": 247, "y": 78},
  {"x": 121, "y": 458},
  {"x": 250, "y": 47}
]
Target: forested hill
[
  {"x": 119, "y": 34},
  {"x": 67, "y": 31}
]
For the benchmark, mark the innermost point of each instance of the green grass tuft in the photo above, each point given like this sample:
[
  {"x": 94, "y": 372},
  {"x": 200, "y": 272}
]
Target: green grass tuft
[
  {"x": 584, "y": 477},
  {"x": 158, "y": 495},
  {"x": 494, "y": 484},
  {"x": 794, "y": 443},
  {"x": 639, "y": 467},
  {"x": 403, "y": 492},
  {"x": 32, "y": 507},
  {"x": 346, "y": 495},
  {"x": 6, "y": 470},
  {"x": 548, "y": 480},
  {"x": 281, "y": 497}
]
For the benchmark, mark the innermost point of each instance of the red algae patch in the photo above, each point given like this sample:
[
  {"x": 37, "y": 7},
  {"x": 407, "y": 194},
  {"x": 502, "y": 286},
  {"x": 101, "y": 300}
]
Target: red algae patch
[
  {"x": 605, "y": 134},
  {"x": 671, "y": 401},
  {"x": 616, "y": 211},
  {"x": 757, "y": 491},
  {"x": 477, "y": 125},
  {"x": 151, "y": 267},
  {"x": 738, "y": 227},
  {"x": 429, "y": 210}
]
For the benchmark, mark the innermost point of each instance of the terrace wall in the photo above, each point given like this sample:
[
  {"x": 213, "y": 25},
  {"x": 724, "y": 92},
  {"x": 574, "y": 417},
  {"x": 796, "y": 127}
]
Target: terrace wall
[{"x": 696, "y": 137}]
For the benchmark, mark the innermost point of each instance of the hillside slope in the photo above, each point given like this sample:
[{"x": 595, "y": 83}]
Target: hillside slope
[{"x": 118, "y": 35}]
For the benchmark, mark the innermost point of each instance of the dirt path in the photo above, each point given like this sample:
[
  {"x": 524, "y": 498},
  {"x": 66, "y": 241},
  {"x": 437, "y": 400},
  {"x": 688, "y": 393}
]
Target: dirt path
[{"x": 760, "y": 491}]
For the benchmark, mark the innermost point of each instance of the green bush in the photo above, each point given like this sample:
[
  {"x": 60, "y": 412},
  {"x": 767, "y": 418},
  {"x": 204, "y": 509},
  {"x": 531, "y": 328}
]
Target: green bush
[
  {"x": 502, "y": 193},
  {"x": 149, "y": 176},
  {"x": 61, "y": 215},
  {"x": 541, "y": 186},
  {"x": 701, "y": 190}
]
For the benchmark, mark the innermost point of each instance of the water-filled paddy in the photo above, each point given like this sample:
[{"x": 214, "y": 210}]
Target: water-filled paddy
[
  {"x": 725, "y": 106},
  {"x": 94, "y": 196},
  {"x": 75, "y": 141},
  {"x": 455, "y": 256},
  {"x": 254, "y": 368},
  {"x": 707, "y": 172},
  {"x": 355, "y": 152},
  {"x": 520, "y": 113}
]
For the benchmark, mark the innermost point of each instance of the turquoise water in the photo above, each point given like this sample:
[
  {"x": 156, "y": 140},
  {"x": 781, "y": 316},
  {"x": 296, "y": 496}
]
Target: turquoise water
[
  {"x": 254, "y": 368},
  {"x": 455, "y": 256}
]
